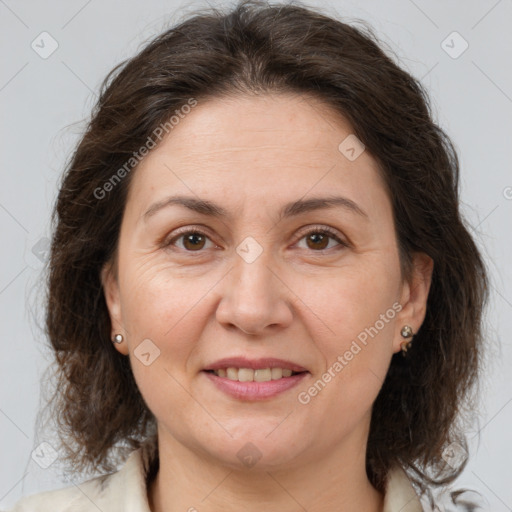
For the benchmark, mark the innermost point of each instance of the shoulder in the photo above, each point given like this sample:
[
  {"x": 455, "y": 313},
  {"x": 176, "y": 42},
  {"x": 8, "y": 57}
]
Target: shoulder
[
  {"x": 75, "y": 498},
  {"x": 400, "y": 494},
  {"x": 116, "y": 492}
]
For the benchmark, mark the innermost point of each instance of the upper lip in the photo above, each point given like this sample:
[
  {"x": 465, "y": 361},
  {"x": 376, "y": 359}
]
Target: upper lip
[{"x": 263, "y": 362}]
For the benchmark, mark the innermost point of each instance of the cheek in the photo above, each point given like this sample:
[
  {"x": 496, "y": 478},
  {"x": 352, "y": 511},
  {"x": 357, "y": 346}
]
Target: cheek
[
  {"x": 164, "y": 310},
  {"x": 357, "y": 310},
  {"x": 354, "y": 298},
  {"x": 157, "y": 299},
  {"x": 163, "y": 318},
  {"x": 356, "y": 349}
]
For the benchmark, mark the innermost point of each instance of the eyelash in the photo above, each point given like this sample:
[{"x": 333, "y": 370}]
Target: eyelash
[{"x": 324, "y": 230}]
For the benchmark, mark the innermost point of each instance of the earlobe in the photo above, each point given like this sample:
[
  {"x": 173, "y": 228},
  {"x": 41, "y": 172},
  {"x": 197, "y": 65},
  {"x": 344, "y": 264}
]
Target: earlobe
[
  {"x": 112, "y": 298},
  {"x": 414, "y": 297}
]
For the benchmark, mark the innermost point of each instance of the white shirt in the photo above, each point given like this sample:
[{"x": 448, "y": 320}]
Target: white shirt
[{"x": 125, "y": 491}]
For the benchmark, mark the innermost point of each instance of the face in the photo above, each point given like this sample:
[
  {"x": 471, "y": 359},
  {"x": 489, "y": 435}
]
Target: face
[{"x": 265, "y": 272}]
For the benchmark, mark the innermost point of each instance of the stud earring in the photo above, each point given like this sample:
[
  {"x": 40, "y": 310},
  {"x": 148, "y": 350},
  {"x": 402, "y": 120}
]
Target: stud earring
[
  {"x": 118, "y": 338},
  {"x": 406, "y": 332}
]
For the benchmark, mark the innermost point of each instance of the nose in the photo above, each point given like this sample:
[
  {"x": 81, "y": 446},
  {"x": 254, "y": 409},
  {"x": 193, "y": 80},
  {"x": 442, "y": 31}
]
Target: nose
[{"x": 254, "y": 298}]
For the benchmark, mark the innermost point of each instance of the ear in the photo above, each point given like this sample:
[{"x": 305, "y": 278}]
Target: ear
[
  {"x": 414, "y": 295},
  {"x": 112, "y": 297}
]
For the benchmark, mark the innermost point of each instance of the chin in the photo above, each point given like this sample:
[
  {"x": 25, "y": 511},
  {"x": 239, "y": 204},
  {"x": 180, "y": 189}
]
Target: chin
[{"x": 258, "y": 446}]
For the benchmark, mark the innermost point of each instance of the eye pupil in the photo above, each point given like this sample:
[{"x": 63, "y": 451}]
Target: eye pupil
[
  {"x": 190, "y": 239},
  {"x": 318, "y": 237}
]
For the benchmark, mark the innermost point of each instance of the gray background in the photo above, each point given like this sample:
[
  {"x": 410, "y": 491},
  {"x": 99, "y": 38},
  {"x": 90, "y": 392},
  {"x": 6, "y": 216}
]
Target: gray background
[{"x": 43, "y": 99}]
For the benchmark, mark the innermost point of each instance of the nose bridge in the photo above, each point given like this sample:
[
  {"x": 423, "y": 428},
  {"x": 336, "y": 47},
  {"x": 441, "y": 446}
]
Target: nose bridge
[
  {"x": 255, "y": 284},
  {"x": 254, "y": 298},
  {"x": 252, "y": 270}
]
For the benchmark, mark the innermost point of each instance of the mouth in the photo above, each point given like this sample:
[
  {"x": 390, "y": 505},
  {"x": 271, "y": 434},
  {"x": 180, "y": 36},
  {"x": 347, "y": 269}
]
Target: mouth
[
  {"x": 260, "y": 379},
  {"x": 254, "y": 375},
  {"x": 263, "y": 369}
]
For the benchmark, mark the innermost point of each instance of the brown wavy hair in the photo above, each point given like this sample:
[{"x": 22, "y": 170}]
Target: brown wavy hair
[{"x": 259, "y": 48}]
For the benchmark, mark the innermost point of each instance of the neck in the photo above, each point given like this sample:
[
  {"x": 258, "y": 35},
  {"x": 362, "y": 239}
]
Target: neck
[{"x": 188, "y": 481}]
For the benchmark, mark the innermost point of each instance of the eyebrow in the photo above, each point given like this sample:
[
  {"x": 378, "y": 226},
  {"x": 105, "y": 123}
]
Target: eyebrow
[{"x": 299, "y": 207}]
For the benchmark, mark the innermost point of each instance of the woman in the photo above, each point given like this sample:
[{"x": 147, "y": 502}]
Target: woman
[{"x": 260, "y": 286}]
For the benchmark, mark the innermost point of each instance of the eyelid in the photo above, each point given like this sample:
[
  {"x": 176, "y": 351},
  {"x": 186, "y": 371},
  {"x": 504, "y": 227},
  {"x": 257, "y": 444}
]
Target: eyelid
[
  {"x": 189, "y": 228},
  {"x": 333, "y": 233},
  {"x": 203, "y": 230}
]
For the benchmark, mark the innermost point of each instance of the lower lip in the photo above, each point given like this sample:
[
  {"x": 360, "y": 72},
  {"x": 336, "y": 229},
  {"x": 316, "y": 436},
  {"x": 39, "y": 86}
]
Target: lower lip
[{"x": 255, "y": 390}]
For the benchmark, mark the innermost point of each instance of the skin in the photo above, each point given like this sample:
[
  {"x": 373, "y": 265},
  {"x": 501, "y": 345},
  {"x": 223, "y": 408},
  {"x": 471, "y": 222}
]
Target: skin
[{"x": 251, "y": 155}]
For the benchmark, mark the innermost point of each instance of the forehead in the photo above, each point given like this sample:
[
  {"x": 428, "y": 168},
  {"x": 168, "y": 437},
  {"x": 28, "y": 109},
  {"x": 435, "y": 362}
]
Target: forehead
[
  {"x": 257, "y": 147},
  {"x": 291, "y": 122}
]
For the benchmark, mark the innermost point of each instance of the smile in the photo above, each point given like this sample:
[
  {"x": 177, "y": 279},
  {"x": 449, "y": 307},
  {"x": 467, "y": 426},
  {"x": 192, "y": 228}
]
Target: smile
[
  {"x": 243, "y": 383},
  {"x": 250, "y": 375}
]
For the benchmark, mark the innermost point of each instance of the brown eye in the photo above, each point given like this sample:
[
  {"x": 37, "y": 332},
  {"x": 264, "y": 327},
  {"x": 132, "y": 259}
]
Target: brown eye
[
  {"x": 318, "y": 239},
  {"x": 192, "y": 241}
]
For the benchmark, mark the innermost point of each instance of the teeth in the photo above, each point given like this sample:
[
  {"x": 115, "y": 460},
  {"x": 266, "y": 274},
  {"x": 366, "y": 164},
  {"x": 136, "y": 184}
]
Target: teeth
[
  {"x": 232, "y": 374},
  {"x": 250, "y": 375},
  {"x": 276, "y": 373},
  {"x": 262, "y": 375},
  {"x": 245, "y": 375}
]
